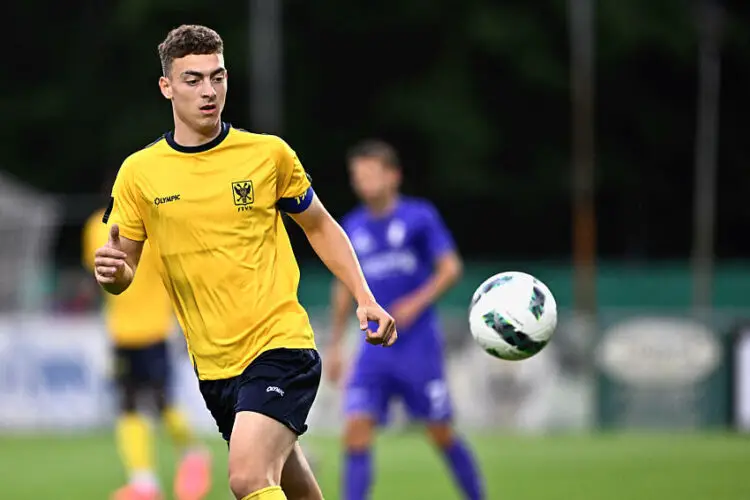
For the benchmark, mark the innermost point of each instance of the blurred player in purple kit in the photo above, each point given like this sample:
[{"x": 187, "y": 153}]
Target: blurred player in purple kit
[{"x": 409, "y": 260}]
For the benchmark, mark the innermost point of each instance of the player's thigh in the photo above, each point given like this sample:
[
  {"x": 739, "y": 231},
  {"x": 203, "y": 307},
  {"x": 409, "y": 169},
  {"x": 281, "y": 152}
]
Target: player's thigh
[
  {"x": 274, "y": 397},
  {"x": 297, "y": 479},
  {"x": 264, "y": 452},
  {"x": 427, "y": 398},
  {"x": 150, "y": 362},
  {"x": 367, "y": 396},
  {"x": 156, "y": 374},
  {"x": 281, "y": 384},
  {"x": 123, "y": 377},
  {"x": 258, "y": 449},
  {"x": 366, "y": 403}
]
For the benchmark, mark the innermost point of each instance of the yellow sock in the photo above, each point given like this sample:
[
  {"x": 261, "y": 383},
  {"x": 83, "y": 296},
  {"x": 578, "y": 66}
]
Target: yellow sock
[
  {"x": 270, "y": 493},
  {"x": 135, "y": 443},
  {"x": 178, "y": 428}
]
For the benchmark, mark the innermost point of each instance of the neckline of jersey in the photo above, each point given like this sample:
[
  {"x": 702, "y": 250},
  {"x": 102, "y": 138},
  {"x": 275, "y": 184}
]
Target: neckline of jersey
[
  {"x": 169, "y": 136},
  {"x": 384, "y": 216}
]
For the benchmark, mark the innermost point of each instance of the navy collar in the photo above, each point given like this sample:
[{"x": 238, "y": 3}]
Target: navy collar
[{"x": 169, "y": 136}]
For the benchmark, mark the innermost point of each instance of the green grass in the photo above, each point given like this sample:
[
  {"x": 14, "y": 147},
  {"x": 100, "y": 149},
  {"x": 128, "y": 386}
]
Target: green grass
[{"x": 597, "y": 467}]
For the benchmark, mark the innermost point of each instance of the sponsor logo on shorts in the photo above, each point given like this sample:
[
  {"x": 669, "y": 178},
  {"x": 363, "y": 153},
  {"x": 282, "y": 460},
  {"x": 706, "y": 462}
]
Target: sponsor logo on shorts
[{"x": 273, "y": 388}]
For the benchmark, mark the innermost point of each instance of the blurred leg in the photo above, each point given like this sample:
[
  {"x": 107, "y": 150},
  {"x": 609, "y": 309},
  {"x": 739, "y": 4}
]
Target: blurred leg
[
  {"x": 366, "y": 399},
  {"x": 133, "y": 432},
  {"x": 193, "y": 478},
  {"x": 458, "y": 457},
  {"x": 427, "y": 399},
  {"x": 358, "y": 438}
]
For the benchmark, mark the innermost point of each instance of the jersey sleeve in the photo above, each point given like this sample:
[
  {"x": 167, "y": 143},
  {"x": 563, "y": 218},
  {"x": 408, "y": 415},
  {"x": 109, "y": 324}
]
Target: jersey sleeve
[
  {"x": 438, "y": 239},
  {"x": 125, "y": 206},
  {"x": 294, "y": 191}
]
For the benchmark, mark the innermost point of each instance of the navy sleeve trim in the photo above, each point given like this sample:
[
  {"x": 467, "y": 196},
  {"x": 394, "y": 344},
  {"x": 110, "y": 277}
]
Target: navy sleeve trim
[
  {"x": 298, "y": 204},
  {"x": 108, "y": 211}
]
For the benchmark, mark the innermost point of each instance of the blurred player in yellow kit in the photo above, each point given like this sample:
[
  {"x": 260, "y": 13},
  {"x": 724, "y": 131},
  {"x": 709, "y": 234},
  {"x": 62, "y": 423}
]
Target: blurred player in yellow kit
[{"x": 139, "y": 323}]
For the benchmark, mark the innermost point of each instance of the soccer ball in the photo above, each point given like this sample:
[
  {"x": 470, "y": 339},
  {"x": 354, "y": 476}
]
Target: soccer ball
[{"x": 512, "y": 315}]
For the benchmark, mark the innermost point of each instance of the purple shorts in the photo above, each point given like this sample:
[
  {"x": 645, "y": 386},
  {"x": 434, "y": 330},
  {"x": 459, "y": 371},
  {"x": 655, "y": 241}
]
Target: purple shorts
[{"x": 382, "y": 375}]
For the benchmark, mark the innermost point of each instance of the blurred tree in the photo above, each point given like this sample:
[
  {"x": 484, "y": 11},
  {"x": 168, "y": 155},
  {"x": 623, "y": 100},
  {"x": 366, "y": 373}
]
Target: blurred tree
[{"x": 474, "y": 93}]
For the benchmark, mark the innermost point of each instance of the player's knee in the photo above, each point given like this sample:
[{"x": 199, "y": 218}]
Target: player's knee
[
  {"x": 308, "y": 495},
  {"x": 302, "y": 492},
  {"x": 300, "y": 489},
  {"x": 245, "y": 481},
  {"x": 358, "y": 433},
  {"x": 441, "y": 434}
]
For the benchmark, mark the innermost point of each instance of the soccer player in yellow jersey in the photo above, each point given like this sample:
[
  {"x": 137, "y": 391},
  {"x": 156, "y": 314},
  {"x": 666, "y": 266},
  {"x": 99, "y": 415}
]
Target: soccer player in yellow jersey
[
  {"x": 139, "y": 323},
  {"x": 209, "y": 197}
]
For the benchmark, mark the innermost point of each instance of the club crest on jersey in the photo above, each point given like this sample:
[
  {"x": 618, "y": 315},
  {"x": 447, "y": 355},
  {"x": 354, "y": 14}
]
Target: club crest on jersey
[
  {"x": 362, "y": 242},
  {"x": 244, "y": 195},
  {"x": 396, "y": 233}
]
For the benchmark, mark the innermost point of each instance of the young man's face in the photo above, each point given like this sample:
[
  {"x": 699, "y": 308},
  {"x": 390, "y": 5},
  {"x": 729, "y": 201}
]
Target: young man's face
[{"x": 197, "y": 87}]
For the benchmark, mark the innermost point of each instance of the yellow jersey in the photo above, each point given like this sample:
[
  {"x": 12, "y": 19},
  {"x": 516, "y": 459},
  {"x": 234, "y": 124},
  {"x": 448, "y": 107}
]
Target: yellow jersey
[
  {"x": 142, "y": 315},
  {"x": 213, "y": 214}
]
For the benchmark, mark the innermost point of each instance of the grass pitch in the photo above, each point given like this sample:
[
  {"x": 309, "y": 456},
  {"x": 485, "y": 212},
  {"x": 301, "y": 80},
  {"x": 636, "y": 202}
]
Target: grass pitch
[{"x": 589, "y": 467}]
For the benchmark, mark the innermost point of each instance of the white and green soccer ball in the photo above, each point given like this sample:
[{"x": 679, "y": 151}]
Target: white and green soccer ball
[{"x": 512, "y": 315}]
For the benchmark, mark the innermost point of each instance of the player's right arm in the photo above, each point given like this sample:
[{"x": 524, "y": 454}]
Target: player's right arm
[{"x": 116, "y": 262}]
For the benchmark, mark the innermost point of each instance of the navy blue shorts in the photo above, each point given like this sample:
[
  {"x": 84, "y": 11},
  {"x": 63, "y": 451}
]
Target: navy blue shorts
[
  {"x": 142, "y": 366},
  {"x": 280, "y": 383}
]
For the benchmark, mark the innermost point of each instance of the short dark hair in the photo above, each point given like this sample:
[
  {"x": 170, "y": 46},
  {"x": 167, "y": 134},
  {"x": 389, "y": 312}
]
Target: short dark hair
[
  {"x": 188, "y": 39},
  {"x": 375, "y": 148}
]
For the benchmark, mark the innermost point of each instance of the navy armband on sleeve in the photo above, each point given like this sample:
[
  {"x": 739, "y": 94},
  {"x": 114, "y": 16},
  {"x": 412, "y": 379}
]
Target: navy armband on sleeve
[
  {"x": 298, "y": 204},
  {"x": 108, "y": 211}
]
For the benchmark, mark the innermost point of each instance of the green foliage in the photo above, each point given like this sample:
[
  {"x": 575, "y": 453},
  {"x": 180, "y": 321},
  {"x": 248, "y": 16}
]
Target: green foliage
[{"x": 475, "y": 93}]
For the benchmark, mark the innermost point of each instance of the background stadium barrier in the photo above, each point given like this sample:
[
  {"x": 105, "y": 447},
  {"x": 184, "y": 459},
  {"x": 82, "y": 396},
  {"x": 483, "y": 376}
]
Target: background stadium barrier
[{"x": 647, "y": 369}]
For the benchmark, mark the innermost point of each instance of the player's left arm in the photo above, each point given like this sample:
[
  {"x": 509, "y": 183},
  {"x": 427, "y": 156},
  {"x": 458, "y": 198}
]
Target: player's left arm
[
  {"x": 333, "y": 247},
  {"x": 296, "y": 198}
]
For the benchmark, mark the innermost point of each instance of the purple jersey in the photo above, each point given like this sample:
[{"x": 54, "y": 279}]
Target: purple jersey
[{"x": 398, "y": 253}]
